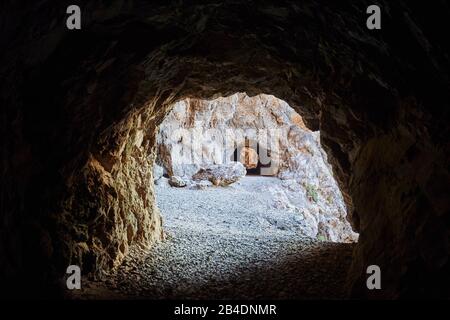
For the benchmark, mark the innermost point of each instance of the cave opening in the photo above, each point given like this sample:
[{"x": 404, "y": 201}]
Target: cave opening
[
  {"x": 254, "y": 157},
  {"x": 80, "y": 111},
  {"x": 247, "y": 199}
]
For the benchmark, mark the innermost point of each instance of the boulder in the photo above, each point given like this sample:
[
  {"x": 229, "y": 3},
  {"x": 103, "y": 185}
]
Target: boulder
[{"x": 176, "y": 181}]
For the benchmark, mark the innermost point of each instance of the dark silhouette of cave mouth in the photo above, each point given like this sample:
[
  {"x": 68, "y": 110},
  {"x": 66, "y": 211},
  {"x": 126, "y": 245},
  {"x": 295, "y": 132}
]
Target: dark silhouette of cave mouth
[
  {"x": 264, "y": 159},
  {"x": 380, "y": 98}
]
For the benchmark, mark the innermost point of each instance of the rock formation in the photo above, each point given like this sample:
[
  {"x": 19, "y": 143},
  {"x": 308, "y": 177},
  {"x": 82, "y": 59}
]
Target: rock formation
[
  {"x": 209, "y": 134},
  {"x": 80, "y": 109}
]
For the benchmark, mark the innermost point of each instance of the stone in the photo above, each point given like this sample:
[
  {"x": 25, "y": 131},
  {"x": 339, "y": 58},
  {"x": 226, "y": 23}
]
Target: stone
[
  {"x": 221, "y": 174},
  {"x": 176, "y": 181}
]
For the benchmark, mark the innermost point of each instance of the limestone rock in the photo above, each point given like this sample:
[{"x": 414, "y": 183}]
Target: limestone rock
[
  {"x": 234, "y": 128},
  {"x": 221, "y": 174},
  {"x": 176, "y": 181}
]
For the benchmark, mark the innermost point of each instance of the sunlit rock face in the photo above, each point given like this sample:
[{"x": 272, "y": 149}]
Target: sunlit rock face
[
  {"x": 255, "y": 130},
  {"x": 379, "y": 97},
  {"x": 198, "y": 133}
]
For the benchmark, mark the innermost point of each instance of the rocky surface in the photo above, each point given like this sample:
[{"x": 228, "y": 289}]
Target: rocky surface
[
  {"x": 220, "y": 247},
  {"x": 73, "y": 100}
]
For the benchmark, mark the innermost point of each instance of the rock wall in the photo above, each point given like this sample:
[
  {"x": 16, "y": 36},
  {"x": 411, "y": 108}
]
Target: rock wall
[
  {"x": 198, "y": 133},
  {"x": 113, "y": 203},
  {"x": 379, "y": 97},
  {"x": 210, "y": 132}
]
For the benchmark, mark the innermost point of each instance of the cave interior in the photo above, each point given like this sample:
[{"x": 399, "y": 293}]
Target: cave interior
[{"x": 80, "y": 111}]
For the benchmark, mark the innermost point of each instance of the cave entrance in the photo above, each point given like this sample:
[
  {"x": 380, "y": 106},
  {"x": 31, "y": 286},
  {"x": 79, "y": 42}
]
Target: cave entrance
[
  {"x": 80, "y": 111},
  {"x": 255, "y": 158},
  {"x": 248, "y": 203}
]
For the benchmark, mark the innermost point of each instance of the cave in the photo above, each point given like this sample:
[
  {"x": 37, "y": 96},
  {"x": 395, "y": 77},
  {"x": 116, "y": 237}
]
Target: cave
[
  {"x": 81, "y": 108},
  {"x": 234, "y": 229},
  {"x": 262, "y": 157}
]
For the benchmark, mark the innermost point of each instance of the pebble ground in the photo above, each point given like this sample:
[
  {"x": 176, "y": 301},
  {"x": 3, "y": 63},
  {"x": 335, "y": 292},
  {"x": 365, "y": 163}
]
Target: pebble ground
[{"x": 228, "y": 243}]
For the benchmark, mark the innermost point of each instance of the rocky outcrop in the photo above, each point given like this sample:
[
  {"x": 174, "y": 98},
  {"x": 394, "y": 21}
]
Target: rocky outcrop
[{"x": 379, "y": 97}]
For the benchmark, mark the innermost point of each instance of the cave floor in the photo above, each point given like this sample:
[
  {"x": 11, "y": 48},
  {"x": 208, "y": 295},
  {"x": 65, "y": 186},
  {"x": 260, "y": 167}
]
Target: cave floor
[{"x": 221, "y": 244}]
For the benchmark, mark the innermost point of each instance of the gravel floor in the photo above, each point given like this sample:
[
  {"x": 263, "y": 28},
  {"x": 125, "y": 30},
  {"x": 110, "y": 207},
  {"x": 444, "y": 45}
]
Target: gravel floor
[{"x": 229, "y": 243}]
